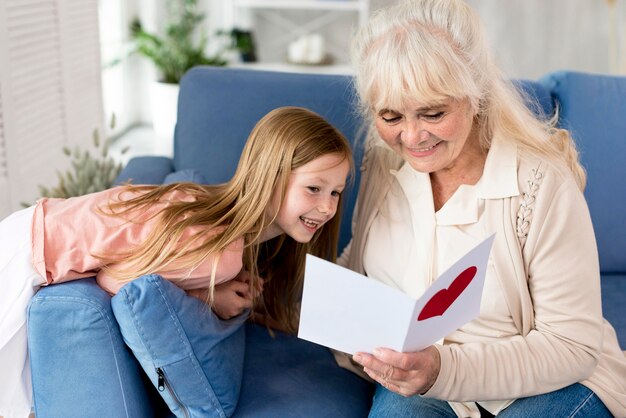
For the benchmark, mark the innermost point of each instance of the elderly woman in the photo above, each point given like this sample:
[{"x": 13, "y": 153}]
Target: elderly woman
[{"x": 453, "y": 156}]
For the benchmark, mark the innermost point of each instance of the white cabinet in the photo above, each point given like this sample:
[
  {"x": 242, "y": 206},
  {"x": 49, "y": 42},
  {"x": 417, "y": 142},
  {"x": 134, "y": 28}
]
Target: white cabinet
[{"x": 277, "y": 23}]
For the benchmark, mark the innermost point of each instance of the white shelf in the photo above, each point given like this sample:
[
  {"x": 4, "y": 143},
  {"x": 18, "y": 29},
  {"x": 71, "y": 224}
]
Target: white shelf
[
  {"x": 347, "y": 5},
  {"x": 242, "y": 13}
]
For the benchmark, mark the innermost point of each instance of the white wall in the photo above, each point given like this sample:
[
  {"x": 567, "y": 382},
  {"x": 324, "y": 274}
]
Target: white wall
[
  {"x": 529, "y": 37},
  {"x": 533, "y": 37}
]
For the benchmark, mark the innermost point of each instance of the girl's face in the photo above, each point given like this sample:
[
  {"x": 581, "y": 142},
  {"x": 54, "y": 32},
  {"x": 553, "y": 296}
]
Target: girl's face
[
  {"x": 429, "y": 137},
  {"x": 310, "y": 200}
]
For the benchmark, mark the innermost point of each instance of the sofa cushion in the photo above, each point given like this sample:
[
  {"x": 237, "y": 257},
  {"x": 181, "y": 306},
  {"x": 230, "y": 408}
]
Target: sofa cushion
[
  {"x": 537, "y": 97},
  {"x": 192, "y": 357},
  {"x": 592, "y": 107},
  {"x": 188, "y": 175},
  {"x": 150, "y": 169},
  {"x": 287, "y": 377},
  {"x": 79, "y": 361}
]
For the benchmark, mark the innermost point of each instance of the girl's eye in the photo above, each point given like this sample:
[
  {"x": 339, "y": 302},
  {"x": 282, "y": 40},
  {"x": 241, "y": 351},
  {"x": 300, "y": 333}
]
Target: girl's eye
[
  {"x": 433, "y": 117},
  {"x": 313, "y": 189},
  {"x": 336, "y": 193}
]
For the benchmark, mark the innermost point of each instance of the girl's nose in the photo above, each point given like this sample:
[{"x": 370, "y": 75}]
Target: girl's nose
[{"x": 327, "y": 206}]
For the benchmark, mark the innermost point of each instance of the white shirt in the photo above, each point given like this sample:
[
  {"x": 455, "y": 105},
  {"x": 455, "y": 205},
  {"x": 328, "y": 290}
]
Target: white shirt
[{"x": 395, "y": 257}]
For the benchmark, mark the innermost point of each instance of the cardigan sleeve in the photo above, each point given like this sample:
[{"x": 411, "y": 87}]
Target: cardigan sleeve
[{"x": 564, "y": 345}]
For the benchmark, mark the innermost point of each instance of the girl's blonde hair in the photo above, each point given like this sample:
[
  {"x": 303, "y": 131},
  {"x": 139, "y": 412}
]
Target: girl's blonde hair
[
  {"x": 432, "y": 50},
  {"x": 283, "y": 140}
]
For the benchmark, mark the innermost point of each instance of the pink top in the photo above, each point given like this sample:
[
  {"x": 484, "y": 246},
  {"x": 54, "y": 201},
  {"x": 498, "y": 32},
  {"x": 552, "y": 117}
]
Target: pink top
[{"x": 67, "y": 232}]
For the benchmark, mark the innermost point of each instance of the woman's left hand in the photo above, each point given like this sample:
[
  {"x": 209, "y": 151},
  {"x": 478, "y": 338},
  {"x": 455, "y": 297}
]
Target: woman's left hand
[{"x": 407, "y": 374}]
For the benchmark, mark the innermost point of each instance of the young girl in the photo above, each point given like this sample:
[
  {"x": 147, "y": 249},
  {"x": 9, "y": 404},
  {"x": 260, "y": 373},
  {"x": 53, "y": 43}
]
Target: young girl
[{"x": 280, "y": 204}]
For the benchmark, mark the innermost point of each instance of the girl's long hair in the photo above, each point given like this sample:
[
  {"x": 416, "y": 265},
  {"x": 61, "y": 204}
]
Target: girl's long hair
[
  {"x": 283, "y": 140},
  {"x": 432, "y": 50}
]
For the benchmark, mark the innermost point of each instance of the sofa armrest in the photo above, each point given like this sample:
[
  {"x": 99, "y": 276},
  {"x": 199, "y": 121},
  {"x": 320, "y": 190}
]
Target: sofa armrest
[
  {"x": 80, "y": 364},
  {"x": 146, "y": 170}
]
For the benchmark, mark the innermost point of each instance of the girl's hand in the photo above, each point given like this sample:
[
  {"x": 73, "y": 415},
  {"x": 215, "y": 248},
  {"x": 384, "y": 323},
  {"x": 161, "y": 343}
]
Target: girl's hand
[
  {"x": 232, "y": 298},
  {"x": 235, "y": 296},
  {"x": 407, "y": 374}
]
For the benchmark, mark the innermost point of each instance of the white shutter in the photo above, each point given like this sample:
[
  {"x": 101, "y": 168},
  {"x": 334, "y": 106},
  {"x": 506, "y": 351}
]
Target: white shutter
[
  {"x": 80, "y": 41},
  {"x": 51, "y": 95},
  {"x": 4, "y": 175}
]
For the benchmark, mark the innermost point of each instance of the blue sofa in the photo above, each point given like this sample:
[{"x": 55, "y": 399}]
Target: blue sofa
[{"x": 81, "y": 366}]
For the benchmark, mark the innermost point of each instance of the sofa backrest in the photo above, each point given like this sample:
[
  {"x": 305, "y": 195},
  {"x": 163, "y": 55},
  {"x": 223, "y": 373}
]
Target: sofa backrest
[
  {"x": 218, "y": 107},
  {"x": 593, "y": 108}
]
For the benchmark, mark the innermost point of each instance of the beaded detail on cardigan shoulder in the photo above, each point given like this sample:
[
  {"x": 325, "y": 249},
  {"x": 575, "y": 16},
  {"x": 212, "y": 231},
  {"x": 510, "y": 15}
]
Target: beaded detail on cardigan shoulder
[{"x": 525, "y": 211}]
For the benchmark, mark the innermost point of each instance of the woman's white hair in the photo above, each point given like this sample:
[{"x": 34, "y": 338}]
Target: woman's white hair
[{"x": 432, "y": 50}]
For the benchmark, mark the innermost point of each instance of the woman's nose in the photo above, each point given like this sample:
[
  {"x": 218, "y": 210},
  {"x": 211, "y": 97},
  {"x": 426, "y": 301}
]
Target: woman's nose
[{"x": 414, "y": 133}]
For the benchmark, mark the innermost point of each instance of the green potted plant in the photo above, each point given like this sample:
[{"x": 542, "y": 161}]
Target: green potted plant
[
  {"x": 88, "y": 173},
  {"x": 181, "y": 47}
]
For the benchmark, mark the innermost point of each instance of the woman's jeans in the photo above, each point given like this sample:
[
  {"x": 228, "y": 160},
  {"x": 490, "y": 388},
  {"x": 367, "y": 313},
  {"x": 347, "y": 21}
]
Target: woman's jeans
[{"x": 572, "y": 401}]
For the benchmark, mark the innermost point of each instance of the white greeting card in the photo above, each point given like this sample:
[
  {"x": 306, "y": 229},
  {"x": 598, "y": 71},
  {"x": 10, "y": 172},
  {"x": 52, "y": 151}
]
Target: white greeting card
[{"x": 350, "y": 312}]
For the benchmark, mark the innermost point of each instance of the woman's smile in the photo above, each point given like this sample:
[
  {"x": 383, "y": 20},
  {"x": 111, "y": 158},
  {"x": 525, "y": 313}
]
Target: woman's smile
[{"x": 425, "y": 151}]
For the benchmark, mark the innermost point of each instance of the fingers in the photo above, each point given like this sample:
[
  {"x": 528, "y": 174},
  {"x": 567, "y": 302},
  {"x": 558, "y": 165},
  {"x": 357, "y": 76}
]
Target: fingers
[
  {"x": 231, "y": 299},
  {"x": 377, "y": 369},
  {"x": 380, "y": 360},
  {"x": 388, "y": 372},
  {"x": 245, "y": 277},
  {"x": 241, "y": 288}
]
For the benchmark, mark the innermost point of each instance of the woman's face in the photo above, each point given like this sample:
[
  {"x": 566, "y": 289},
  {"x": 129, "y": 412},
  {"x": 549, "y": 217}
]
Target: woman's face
[{"x": 430, "y": 137}]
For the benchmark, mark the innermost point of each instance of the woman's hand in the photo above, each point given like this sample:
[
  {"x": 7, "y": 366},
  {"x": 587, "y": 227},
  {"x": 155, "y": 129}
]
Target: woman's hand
[{"x": 407, "y": 374}]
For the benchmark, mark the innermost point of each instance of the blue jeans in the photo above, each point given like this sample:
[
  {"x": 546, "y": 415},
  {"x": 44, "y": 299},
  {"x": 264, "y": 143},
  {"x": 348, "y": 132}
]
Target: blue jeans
[{"x": 572, "y": 401}]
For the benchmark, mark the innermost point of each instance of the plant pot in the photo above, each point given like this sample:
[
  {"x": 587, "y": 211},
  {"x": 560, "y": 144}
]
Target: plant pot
[{"x": 164, "y": 104}]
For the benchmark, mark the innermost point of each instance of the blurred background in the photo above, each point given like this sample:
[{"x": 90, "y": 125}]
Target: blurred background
[{"x": 68, "y": 66}]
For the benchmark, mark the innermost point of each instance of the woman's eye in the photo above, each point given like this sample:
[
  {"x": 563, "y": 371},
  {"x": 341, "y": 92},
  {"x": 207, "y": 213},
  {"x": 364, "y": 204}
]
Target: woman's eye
[
  {"x": 433, "y": 116},
  {"x": 313, "y": 189},
  {"x": 336, "y": 193},
  {"x": 390, "y": 119}
]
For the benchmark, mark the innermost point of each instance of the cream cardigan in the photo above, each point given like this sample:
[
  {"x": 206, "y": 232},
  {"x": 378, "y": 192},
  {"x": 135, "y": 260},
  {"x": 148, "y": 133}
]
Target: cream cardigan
[{"x": 550, "y": 277}]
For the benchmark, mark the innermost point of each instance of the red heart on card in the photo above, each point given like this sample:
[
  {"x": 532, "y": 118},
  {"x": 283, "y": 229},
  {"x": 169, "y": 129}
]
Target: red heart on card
[{"x": 442, "y": 300}]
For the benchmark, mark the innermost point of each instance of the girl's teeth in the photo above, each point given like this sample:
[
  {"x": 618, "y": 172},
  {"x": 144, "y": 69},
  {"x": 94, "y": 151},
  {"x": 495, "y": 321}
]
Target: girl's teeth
[{"x": 309, "y": 223}]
